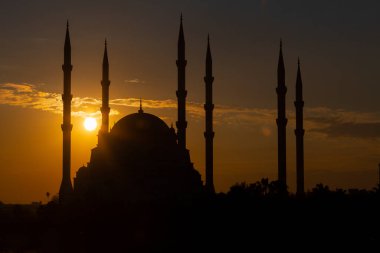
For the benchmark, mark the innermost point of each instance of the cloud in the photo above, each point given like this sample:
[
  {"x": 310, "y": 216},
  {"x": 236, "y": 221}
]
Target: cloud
[
  {"x": 146, "y": 103},
  {"x": 355, "y": 130},
  {"x": 27, "y": 96},
  {"x": 134, "y": 81},
  {"x": 342, "y": 123},
  {"x": 318, "y": 121}
]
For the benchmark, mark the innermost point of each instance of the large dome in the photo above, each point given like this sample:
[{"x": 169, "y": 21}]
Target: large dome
[{"x": 142, "y": 127}]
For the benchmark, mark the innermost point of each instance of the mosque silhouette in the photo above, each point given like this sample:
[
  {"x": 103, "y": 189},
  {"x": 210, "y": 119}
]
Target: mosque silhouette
[
  {"x": 141, "y": 193},
  {"x": 142, "y": 159}
]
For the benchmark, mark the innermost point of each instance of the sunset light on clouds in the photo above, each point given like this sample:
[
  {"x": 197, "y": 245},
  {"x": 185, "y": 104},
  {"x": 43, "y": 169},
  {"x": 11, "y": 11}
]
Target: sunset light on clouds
[{"x": 318, "y": 120}]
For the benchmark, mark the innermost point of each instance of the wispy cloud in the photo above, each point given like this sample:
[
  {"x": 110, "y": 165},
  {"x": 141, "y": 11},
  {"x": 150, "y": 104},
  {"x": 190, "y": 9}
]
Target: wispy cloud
[
  {"x": 321, "y": 121},
  {"x": 27, "y": 96},
  {"x": 353, "y": 130},
  {"x": 134, "y": 81},
  {"x": 343, "y": 123},
  {"x": 147, "y": 103}
]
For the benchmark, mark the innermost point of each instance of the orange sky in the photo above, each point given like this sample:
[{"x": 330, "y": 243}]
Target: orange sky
[{"x": 245, "y": 143}]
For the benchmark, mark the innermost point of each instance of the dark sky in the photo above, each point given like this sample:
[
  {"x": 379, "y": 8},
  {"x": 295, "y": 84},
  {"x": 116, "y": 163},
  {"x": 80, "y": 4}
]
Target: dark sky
[{"x": 337, "y": 42}]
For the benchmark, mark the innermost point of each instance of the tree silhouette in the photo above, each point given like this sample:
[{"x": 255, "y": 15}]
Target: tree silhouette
[{"x": 265, "y": 186}]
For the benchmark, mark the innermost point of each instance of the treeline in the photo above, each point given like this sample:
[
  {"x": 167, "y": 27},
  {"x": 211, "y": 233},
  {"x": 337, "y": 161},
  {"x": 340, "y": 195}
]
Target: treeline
[
  {"x": 246, "y": 218},
  {"x": 273, "y": 189}
]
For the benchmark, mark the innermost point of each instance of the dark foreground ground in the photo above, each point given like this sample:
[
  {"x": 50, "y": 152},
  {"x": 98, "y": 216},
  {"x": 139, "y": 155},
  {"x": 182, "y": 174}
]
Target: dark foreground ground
[{"x": 243, "y": 220}]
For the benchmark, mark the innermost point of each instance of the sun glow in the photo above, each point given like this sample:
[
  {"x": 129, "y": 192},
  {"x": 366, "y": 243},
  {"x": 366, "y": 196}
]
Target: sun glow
[{"x": 90, "y": 124}]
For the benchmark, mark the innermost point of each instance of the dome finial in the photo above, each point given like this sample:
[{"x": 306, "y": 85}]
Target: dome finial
[{"x": 141, "y": 110}]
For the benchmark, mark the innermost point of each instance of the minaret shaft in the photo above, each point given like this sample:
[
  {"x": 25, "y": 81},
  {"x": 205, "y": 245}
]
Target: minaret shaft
[
  {"x": 105, "y": 109},
  {"x": 281, "y": 119},
  {"x": 66, "y": 188},
  {"x": 181, "y": 92},
  {"x": 299, "y": 132},
  {"x": 209, "y": 133}
]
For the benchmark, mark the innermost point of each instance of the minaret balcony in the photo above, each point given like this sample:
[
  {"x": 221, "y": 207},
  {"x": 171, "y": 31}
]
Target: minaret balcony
[
  {"x": 181, "y": 93},
  {"x": 181, "y": 63},
  {"x": 209, "y": 107},
  {"x": 67, "y": 67},
  {"x": 281, "y": 89}
]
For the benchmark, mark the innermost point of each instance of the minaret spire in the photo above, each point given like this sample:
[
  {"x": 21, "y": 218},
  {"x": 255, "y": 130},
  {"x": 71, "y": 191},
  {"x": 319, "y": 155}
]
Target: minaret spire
[
  {"x": 299, "y": 132},
  {"x": 66, "y": 187},
  {"x": 209, "y": 133},
  {"x": 105, "y": 109},
  {"x": 281, "y": 119},
  {"x": 141, "y": 110},
  {"x": 181, "y": 92}
]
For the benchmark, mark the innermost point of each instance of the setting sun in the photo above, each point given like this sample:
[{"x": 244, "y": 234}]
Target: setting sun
[{"x": 90, "y": 124}]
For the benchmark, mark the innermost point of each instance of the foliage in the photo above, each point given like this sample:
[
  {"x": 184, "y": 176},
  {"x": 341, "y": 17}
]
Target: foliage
[{"x": 248, "y": 216}]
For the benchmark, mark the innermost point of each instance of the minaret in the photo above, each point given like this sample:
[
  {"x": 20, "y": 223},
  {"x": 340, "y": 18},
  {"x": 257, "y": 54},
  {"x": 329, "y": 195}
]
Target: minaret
[
  {"x": 209, "y": 133},
  {"x": 299, "y": 131},
  {"x": 181, "y": 92},
  {"x": 141, "y": 110},
  {"x": 281, "y": 119},
  {"x": 66, "y": 188},
  {"x": 105, "y": 109}
]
